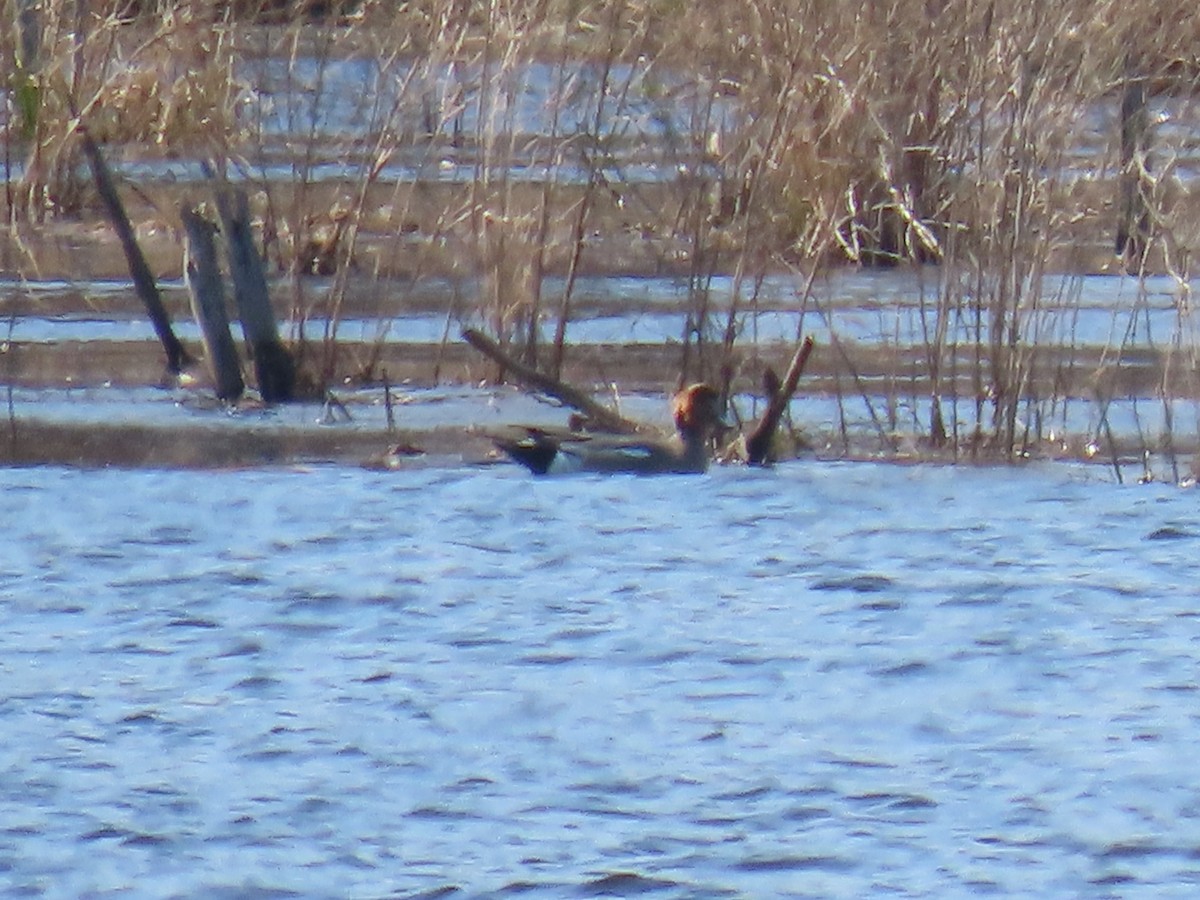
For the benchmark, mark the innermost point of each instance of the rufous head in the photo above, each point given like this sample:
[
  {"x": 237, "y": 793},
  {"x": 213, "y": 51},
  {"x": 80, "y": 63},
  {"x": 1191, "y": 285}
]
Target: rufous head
[{"x": 697, "y": 410}]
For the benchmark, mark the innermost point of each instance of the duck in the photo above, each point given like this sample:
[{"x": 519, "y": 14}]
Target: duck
[{"x": 697, "y": 414}]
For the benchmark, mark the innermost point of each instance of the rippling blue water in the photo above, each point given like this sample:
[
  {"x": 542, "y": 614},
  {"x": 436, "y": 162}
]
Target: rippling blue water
[{"x": 823, "y": 680}]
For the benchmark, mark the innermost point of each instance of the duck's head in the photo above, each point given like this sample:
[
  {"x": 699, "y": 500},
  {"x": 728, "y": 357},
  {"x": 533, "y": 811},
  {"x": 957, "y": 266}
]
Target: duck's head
[{"x": 697, "y": 411}]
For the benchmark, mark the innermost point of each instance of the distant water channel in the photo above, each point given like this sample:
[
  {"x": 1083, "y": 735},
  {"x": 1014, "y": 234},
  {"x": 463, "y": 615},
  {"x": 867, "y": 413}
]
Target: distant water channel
[
  {"x": 861, "y": 306},
  {"x": 825, "y": 680}
]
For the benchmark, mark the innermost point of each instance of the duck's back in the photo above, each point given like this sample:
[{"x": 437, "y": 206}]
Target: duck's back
[{"x": 546, "y": 454}]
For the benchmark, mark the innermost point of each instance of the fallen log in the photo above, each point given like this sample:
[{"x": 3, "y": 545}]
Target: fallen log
[
  {"x": 759, "y": 442},
  {"x": 600, "y": 416}
]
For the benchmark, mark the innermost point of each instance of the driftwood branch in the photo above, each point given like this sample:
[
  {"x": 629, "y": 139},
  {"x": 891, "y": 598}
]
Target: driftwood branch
[
  {"x": 603, "y": 417},
  {"x": 758, "y": 444},
  {"x": 139, "y": 269}
]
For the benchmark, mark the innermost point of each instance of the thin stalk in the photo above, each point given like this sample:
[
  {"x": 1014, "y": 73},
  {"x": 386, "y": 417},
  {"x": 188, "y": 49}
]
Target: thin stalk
[{"x": 593, "y": 162}]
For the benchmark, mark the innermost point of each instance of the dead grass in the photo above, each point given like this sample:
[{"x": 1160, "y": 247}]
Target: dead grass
[{"x": 944, "y": 131}]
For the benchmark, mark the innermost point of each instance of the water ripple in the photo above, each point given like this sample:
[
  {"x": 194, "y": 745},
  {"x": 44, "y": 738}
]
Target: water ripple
[
  {"x": 453, "y": 682},
  {"x": 859, "y": 584}
]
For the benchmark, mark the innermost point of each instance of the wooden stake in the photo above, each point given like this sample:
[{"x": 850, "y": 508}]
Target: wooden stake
[
  {"x": 758, "y": 444},
  {"x": 1133, "y": 225},
  {"x": 203, "y": 277}
]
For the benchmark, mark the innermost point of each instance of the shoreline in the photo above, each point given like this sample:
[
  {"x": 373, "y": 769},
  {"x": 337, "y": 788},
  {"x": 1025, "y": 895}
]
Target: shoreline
[
  {"x": 33, "y": 442},
  {"x": 227, "y": 443}
]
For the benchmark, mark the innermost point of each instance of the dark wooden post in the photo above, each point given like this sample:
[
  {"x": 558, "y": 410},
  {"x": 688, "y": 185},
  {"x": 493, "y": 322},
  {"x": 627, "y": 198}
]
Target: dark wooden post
[
  {"x": 143, "y": 279},
  {"x": 1133, "y": 226},
  {"x": 203, "y": 277},
  {"x": 273, "y": 366}
]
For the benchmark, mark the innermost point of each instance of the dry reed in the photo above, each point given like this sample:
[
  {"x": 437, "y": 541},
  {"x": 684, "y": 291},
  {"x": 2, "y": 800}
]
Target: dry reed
[{"x": 779, "y": 136}]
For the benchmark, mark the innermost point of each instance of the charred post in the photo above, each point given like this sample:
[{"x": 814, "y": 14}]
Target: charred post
[
  {"x": 273, "y": 366},
  {"x": 139, "y": 270},
  {"x": 1133, "y": 226}
]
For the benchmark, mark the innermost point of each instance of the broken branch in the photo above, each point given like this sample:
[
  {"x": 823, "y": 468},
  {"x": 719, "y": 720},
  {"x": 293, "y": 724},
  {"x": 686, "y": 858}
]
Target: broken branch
[
  {"x": 603, "y": 417},
  {"x": 758, "y": 444}
]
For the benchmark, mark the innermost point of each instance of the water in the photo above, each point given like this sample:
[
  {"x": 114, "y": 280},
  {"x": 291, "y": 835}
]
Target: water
[
  {"x": 444, "y": 120},
  {"x": 826, "y": 680},
  {"x": 865, "y": 307},
  {"x": 1136, "y": 327},
  {"x": 1073, "y": 427}
]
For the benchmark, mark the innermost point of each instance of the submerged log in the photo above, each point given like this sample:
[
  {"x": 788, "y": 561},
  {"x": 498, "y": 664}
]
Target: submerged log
[
  {"x": 203, "y": 276},
  {"x": 601, "y": 416},
  {"x": 274, "y": 368},
  {"x": 139, "y": 270},
  {"x": 759, "y": 442}
]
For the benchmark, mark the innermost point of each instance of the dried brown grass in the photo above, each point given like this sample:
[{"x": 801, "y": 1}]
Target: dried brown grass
[{"x": 912, "y": 130}]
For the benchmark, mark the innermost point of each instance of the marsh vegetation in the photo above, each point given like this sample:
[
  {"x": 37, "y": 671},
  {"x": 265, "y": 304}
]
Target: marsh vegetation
[{"x": 494, "y": 156}]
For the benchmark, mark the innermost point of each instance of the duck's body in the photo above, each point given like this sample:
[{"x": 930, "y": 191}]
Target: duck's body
[
  {"x": 547, "y": 453},
  {"x": 697, "y": 417}
]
